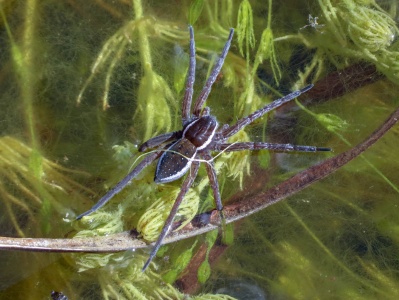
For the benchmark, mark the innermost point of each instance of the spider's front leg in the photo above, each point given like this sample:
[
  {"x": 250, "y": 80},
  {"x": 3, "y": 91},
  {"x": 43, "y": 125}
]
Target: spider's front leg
[
  {"x": 199, "y": 103},
  {"x": 160, "y": 139},
  {"x": 188, "y": 95}
]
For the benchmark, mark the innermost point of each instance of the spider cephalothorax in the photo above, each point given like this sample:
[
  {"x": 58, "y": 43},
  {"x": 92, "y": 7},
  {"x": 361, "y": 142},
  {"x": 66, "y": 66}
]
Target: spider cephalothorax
[
  {"x": 182, "y": 150},
  {"x": 196, "y": 136}
]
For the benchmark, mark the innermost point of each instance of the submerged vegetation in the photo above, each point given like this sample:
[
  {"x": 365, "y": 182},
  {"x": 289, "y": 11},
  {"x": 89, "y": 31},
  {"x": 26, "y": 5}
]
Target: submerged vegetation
[{"x": 83, "y": 84}]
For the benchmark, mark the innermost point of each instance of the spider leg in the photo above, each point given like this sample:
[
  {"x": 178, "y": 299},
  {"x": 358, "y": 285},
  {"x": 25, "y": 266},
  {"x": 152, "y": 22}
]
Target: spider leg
[
  {"x": 121, "y": 185},
  {"x": 160, "y": 139},
  {"x": 215, "y": 72},
  {"x": 269, "y": 146},
  {"x": 227, "y": 132},
  {"x": 188, "y": 95},
  {"x": 213, "y": 180},
  {"x": 168, "y": 223}
]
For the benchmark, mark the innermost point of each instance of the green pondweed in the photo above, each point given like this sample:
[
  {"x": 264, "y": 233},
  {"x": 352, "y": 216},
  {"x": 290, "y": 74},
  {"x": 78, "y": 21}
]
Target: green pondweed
[
  {"x": 357, "y": 31},
  {"x": 141, "y": 52},
  {"x": 154, "y": 98},
  {"x": 245, "y": 29},
  {"x": 341, "y": 42},
  {"x": 204, "y": 270},
  {"x": 49, "y": 184}
]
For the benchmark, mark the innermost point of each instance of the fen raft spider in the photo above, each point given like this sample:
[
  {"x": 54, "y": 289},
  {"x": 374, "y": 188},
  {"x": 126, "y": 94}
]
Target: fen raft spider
[{"x": 182, "y": 150}]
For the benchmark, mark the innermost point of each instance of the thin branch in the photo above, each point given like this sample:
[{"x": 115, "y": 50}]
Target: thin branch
[
  {"x": 234, "y": 212},
  {"x": 337, "y": 84}
]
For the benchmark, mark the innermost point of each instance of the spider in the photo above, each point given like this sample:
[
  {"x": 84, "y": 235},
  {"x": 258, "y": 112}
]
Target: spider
[
  {"x": 180, "y": 152},
  {"x": 313, "y": 22}
]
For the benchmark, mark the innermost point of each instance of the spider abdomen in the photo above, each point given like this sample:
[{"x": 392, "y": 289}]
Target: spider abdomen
[
  {"x": 201, "y": 131},
  {"x": 175, "y": 161}
]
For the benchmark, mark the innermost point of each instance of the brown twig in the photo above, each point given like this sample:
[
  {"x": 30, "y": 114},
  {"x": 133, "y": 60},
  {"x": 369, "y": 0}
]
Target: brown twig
[
  {"x": 335, "y": 85},
  {"x": 233, "y": 212}
]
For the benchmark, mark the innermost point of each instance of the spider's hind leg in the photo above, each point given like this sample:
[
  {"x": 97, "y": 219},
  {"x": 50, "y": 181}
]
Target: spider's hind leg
[
  {"x": 122, "y": 184},
  {"x": 213, "y": 180},
  {"x": 210, "y": 169},
  {"x": 168, "y": 223}
]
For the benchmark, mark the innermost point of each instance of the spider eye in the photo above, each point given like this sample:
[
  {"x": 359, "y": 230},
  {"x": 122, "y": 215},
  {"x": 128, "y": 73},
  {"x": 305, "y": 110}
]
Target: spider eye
[{"x": 175, "y": 162}]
